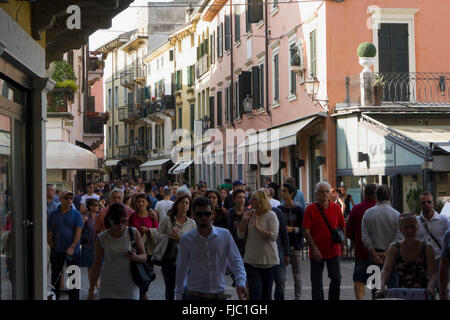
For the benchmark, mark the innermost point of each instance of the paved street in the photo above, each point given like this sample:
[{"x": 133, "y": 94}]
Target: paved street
[{"x": 156, "y": 291}]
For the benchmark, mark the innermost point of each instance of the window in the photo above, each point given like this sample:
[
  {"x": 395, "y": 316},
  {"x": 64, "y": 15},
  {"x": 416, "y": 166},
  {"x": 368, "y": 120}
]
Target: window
[
  {"x": 125, "y": 131},
  {"x": 255, "y": 10},
  {"x": 109, "y": 136},
  {"x": 244, "y": 89},
  {"x": 191, "y": 75},
  {"x": 116, "y": 135},
  {"x": 227, "y": 33},
  {"x": 236, "y": 100},
  {"x": 255, "y": 87},
  {"x": 178, "y": 80},
  {"x": 125, "y": 95},
  {"x": 292, "y": 74},
  {"x": 109, "y": 98},
  {"x": 213, "y": 49},
  {"x": 180, "y": 119},
  {"x": 219, "y": 108},
  {"x": 237, "y": 28},
  {"x": 313, "y": 54},
  {"x": 276, "y": 79},
  {"x": 162, "y": 60},
  {"x": 275, "y": 4}
]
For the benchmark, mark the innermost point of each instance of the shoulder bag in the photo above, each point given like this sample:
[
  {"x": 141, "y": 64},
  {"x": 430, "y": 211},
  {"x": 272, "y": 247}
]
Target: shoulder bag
[
  {"x": 425, "y": 224},
  {"x": 337, "y": 235},
  {"x": 142, "y": 273},
  {"x": 166, "y": 251}
]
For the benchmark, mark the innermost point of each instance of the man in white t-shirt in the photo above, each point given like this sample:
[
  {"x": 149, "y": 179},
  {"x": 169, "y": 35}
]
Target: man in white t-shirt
[
  {"x": 163, "y": 206},
  {"x": 89, "y": 195}
]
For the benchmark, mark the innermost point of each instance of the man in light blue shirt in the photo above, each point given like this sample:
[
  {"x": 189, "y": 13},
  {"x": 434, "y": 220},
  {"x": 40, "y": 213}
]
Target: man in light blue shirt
[{"x": 202, "y": 258}]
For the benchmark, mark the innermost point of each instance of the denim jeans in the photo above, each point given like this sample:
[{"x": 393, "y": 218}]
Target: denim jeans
[
  {"x": 279, "y": 277},
  {"x": 296, "y": 261},
  {"x": 58, "y": 260},
  {"x": 260, "y": 282},
  {"x": 169, "y": 274},
  {"x": 334, "y": 273}
]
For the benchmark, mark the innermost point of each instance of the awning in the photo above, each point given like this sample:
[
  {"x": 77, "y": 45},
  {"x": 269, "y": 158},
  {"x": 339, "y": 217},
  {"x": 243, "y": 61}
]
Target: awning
[
  {"x": 65, "y": 155},
  {"x": 444, "y": 147},
  {"x": 111, "y": 163},
  {"x": 153, "y": 165},
  {"x": 182, "y": 167},
  {"x": 424, "y": 134},
  {"x": 171, "y": 169},
  {"x": 278, "y": 137}
]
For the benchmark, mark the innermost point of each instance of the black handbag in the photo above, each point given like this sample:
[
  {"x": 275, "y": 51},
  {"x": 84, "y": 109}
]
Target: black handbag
[
  {"x": 337, "y": 235},
  {"x": 84, "y": 235},
  {"x": 170, "y": 255},
  {"x": 141, "y": 272}
]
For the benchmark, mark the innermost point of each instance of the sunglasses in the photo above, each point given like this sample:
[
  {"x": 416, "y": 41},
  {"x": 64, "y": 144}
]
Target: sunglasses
[
  {"x": 203, "y": 214},
  {"x": 117, "y": 222},
  {"x": 429, "y": 202}
]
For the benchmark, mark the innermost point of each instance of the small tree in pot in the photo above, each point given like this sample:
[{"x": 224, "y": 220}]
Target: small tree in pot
[
  {"x": 366, "y": 53},
  {"x": 378, "y": 88}
]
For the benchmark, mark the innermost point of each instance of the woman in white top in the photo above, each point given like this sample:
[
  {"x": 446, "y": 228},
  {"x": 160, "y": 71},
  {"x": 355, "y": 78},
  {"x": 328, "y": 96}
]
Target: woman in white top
[
  {"x": 114, "y": 246},
  {"x": 175, "y": 225},
  {"x": 261, "y": 251}
]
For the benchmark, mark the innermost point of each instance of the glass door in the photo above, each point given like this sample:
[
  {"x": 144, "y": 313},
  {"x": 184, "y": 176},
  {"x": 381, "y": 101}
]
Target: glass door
[{"x": 16, "y": 263}]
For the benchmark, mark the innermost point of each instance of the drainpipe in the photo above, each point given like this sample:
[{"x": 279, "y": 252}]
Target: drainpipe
[
  {"x": 231, "y": 63},
  {"x": 266, "y": 27},
  {"x": 112, "y": 104}
]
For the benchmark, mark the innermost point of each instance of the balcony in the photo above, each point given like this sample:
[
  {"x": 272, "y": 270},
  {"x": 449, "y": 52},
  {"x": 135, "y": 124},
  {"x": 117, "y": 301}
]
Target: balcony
[
  {"x": 95, "y": 68},
  {"x": 159, "y": 109},
  {"x": 415, "y": 89},
  {"x": 201, "y": 66},
  {"x": 94, "y": 123},
  {"x": 131, "y": 151},
  {"x": 132, "y": 75}
]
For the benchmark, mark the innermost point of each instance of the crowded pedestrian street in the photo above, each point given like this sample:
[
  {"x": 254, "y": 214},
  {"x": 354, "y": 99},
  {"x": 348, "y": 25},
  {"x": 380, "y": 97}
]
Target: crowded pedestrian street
[{"x": 220, "y": 150}]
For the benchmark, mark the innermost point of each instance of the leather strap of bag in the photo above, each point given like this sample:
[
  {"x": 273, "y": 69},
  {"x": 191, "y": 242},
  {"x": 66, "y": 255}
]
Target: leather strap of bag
[
  {"x": 324, "y": 218},
  {"x": 133, "y": 242},
  {"x": 428, "y": 231}
]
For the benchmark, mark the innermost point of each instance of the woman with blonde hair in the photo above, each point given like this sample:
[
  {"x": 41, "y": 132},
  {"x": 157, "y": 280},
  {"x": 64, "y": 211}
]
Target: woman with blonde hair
[
  {"x": 259, "y": 227},
  {"x": 412, "y": 258}
]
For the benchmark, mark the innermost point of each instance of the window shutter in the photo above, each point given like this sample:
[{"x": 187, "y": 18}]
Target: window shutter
[
  {"x": 276, "y": 94},
  {"x": 261, "y": 85},
  {"x": 219, "y": 108},
  {"x": 174, "y": 81},
  {"x": 192, "y": 116},
  {"x": 255, "y": 87},
  {"x": 211, "y": 112},
  {"x": 227, "y": 104},
  {"x": 171, "y": 55},
  {"x": 221, "y": 39},
  {"x": 227, "y": 33},
  {"x": 312, "y": 39},
  {"x": 237, "y": 28},
  {"x": 198, "y": 52}
]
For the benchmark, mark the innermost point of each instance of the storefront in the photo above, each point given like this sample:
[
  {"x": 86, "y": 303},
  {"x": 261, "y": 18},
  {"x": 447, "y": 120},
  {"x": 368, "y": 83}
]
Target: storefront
[{"x": 404, "y": 151}]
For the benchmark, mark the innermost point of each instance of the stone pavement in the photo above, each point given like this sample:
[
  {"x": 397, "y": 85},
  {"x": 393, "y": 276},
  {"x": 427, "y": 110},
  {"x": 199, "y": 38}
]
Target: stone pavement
[{"x": 156, "y": 290}]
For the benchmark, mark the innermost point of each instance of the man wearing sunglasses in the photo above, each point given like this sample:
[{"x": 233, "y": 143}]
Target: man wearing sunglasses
[
  {"x": 432, "y": 226},
  {"x": 204, "y": 252},
  {"x": 64, "y": 227}
]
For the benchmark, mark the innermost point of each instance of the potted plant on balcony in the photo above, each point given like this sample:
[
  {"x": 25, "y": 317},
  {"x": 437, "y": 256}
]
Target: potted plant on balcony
[
  {"x": 378, "y": 88},
  {"x": 366, "y": 53},
  {"x": 65, "y": 85}
]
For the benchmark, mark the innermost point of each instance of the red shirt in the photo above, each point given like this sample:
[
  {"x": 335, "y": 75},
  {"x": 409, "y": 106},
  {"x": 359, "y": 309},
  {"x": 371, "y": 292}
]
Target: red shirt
[
  {"x": 354, "y": 228},
  {"x": 319, "y": 231},
  {"x": 137, "y": 222}
]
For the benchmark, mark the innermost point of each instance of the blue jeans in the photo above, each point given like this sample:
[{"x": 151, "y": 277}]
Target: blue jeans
[
  {"x": 279, "y": 277},
  {"x": 334, "y": 273},
  {"x": 260, "y": 282}
]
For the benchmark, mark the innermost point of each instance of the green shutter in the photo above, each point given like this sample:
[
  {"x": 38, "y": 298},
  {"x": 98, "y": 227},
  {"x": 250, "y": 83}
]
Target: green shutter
[
  {"x": 237, "y": 28},
  {"x": 313, "y": 53},
  {"x": 227, "y": 33}
]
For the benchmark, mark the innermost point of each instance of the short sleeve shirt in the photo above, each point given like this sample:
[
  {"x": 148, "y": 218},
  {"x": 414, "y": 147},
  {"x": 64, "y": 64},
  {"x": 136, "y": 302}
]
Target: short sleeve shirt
[
  {"x": 63, "y": 228},
  {"x": 314, "y": 221},
  {"x": 445, "y": 253},
  {"x": 85, "y": 197}
]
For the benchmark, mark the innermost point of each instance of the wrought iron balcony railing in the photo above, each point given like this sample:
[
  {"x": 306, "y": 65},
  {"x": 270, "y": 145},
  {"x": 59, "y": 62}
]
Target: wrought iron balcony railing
[
  {"x": 132, "y": 151},
  {"x": 94, "y": 124},
  {"x": 133, "y": 73},
  {"x": 418, "y": 88},
  {"x": 165, "y": 103}
]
